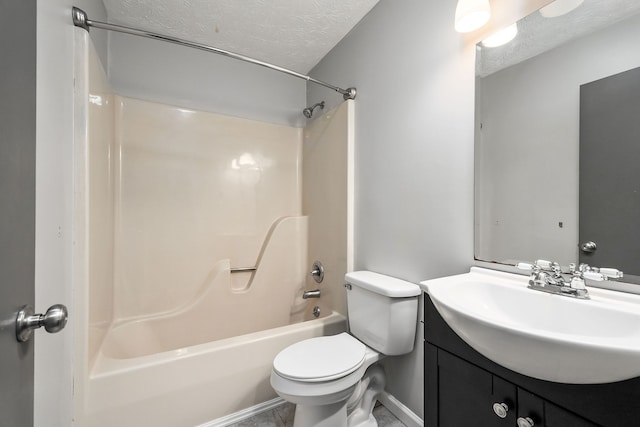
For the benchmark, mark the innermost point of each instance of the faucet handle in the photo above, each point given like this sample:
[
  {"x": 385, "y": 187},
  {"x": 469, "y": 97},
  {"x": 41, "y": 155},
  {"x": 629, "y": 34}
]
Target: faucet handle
[
  {"x": 524, "y": 266},
  {"x": 599, "y": 274},
  {"x": 594, "y": 275},
  {"x": 540, "y": 264},
  {"x": 317, "y": 271},
  {"x": 611, "y": 273}
]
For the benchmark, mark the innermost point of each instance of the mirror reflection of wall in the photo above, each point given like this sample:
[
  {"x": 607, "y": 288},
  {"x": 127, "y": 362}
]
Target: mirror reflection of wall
[{"x": 527, "y": 140}]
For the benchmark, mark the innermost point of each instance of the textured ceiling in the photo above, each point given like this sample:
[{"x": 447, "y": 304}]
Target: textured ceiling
[
  {"x": 537, "y": 34},
  {"x": 295, "y": 34}
]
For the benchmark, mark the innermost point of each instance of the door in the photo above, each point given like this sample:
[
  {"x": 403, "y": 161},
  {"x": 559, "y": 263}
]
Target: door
[
  {"x": 17, "y": 204},
  {"x": 610, "y": 172}
]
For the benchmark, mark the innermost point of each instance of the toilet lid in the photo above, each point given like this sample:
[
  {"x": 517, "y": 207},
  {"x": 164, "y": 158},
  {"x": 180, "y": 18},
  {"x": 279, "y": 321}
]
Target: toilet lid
[{"x": 321, "y": 358}]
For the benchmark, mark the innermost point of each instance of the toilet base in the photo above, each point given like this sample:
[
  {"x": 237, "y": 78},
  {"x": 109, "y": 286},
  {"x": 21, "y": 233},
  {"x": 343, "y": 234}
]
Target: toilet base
[
  {"x": 370, "y": 422},
  {"x": 333, "y": 415},
  {"x": 361, "y": 401},
  {"x": 365, "y": 397}
]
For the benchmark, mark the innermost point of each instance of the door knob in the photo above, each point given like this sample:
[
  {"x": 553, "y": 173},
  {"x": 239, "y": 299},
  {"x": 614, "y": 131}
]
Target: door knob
[
  {"x": 588, "y": 247},
  {"x": 54, "y": 320}
]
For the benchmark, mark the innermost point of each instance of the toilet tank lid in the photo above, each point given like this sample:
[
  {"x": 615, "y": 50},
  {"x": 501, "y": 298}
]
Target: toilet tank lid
[{"x": 383, "y": 285}]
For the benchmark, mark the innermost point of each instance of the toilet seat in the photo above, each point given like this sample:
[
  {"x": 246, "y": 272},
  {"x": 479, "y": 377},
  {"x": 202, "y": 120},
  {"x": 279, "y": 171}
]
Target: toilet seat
[{"x": 320, "y": 359}]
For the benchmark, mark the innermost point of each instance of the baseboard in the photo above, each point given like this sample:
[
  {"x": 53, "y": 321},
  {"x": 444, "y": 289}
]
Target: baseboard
[
  {"x": 401, "y": 412},
  {"x": 397, "y": 408},
  {"x": 244, "y": 414}
]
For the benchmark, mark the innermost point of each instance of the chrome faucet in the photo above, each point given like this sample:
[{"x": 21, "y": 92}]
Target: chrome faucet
[
  {"x": 549, "y": 276},
  {"x": 311, "y": 294}
]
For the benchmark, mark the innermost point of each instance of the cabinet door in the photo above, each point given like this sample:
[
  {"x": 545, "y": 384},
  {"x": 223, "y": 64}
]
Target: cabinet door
[
  {"x": 466, "y": 395},
  {"x": 504, "y": 393},
  {"x": 545, "y": 414},
  {"x": 558, "y": 417}
]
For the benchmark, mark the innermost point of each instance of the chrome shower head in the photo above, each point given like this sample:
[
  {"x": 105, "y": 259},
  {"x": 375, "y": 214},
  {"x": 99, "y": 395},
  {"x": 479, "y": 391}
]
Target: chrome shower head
[{"x": 308, "y": 112}]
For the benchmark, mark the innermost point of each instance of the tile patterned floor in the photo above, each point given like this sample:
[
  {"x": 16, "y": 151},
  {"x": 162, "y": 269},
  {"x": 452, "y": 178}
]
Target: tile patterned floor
[{"x": 282, "y": 416}]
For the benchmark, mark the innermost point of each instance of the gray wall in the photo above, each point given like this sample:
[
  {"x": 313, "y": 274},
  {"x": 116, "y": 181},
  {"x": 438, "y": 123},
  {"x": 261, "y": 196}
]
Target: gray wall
[
  {"x": 414, "y": 150},
  {"x": 163, "y": 72}
]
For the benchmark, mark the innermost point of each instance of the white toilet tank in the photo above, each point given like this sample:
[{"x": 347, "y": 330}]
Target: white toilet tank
[{"x": 383, "y": 311}]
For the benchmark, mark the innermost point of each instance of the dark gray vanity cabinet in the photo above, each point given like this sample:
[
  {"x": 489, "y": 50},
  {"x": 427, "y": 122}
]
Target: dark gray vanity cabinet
[
  {"x": 462, "y": 386},
  {"x": 467, "y": 394}
]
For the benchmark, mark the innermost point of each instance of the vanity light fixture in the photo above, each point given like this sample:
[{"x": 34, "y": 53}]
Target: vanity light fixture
[
  {"x": 471, "y": 15},
  {"x": 559, "y": 8},
  {"x": 501, "y": 37}
]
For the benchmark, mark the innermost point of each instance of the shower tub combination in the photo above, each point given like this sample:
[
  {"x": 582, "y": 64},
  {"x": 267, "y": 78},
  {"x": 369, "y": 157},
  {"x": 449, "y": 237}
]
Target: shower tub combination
[
  {"x": 195, "y": 236},
  {"x": 192, "y": 385}
]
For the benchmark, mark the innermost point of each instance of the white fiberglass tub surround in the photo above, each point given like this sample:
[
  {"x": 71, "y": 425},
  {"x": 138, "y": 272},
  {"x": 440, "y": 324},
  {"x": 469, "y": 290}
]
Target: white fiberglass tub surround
[
  {"x": 169, "y": 202},
  {"x": 217, "y": 310}
]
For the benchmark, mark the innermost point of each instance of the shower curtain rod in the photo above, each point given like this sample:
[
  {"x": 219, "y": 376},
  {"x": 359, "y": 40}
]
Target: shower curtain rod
[{"x": 80, "y": 19}]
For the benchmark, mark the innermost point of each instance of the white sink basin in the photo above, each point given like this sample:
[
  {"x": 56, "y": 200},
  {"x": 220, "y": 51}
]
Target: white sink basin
[{"x": 545, "y": 336}]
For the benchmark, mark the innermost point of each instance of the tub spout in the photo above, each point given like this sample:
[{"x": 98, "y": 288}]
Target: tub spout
[{"x": 311, "y": 294}]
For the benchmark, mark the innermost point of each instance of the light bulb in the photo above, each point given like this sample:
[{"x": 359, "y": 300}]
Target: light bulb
[
  {"x": 501, "y": 37},
  {"x": 471, "y": 15},
  {"x": 559, "y": 8}
]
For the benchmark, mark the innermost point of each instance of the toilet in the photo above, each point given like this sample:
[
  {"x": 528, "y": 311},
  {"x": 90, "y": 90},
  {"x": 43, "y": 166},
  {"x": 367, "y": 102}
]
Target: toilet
[{"x": 334, "y": 381}]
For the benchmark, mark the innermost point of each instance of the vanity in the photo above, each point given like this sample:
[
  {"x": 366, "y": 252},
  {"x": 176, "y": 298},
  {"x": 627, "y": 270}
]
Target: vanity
[{"x": 498, "y": 352}]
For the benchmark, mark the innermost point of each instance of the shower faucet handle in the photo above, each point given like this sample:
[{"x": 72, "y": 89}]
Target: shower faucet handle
[{"x": 317, "y": 271}]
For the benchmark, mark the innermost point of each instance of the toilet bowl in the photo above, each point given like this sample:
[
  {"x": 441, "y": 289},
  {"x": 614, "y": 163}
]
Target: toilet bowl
[
  {"x": 334, "y": 381},
  {"x": 320, "y": 375}
]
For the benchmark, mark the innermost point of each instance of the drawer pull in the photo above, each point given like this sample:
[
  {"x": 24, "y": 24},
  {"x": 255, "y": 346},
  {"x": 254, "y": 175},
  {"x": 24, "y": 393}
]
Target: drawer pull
[
  {"x": 501, "y": 409},
  {"x": 525, "y": 422}
]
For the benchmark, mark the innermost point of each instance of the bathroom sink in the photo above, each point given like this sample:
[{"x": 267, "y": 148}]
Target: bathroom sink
[{"x": 545, "y": 336}]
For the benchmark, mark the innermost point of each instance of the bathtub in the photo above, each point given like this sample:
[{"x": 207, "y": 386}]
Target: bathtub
[{"x": 193, "y": 385}]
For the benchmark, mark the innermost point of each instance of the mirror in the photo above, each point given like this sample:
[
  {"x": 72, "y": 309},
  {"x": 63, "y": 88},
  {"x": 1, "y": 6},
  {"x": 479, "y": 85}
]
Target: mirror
[{"x": 528, "y": 138}]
